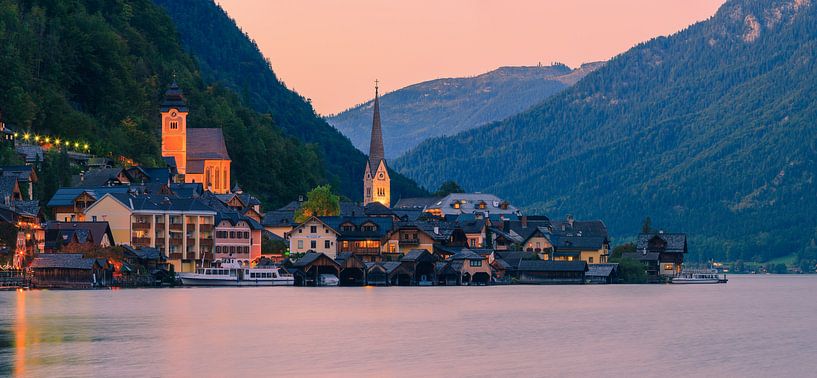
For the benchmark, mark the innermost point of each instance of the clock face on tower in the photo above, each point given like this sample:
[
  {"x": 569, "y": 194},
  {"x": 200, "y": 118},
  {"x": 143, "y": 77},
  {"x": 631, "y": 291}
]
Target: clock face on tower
[
  {"x": 173, "y": 114},
  {"x": 381, "y": 175}
]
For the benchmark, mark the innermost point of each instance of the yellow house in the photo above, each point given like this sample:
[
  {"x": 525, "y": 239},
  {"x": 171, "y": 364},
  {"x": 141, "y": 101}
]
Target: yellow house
[
  {"x": 182, "y": 228},
  {"x": 201, "y": 154},
  {"x": 313, "y": 235}
]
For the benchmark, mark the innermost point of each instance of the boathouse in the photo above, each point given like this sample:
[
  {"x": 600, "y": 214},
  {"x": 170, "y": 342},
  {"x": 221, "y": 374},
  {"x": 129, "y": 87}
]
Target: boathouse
[
  {"x": 69, "y": 271},
  {"x": 420, "y": 263},
  {"x": 602, "y": 273},
  {"x": 551, "y": 272},
  {"x": 308, "y": 269},
  {"x": 352, "y": 269}
]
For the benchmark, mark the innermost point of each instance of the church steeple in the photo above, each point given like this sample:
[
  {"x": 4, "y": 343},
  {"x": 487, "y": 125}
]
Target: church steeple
[
  {"x": 376, "y": 181},
  {"x": 376, "y": 153}
]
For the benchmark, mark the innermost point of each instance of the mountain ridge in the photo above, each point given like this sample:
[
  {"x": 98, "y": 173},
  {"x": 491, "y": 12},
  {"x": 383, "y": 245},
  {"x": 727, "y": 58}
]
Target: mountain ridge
[
  {"x": 703, "y": 131},
  {"x": 446, "y": 105}
]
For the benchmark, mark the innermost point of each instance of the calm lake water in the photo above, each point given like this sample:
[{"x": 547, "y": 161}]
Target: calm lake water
[{"x": 752, "y": 326}]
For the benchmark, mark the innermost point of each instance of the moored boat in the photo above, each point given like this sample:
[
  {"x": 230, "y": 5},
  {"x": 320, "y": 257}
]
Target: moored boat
[
  {"x": 699, "y": 278},
  {"x": 231, "y": 273}
]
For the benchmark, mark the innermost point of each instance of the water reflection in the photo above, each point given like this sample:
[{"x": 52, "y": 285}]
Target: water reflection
[{"x": 751, "y": 326}]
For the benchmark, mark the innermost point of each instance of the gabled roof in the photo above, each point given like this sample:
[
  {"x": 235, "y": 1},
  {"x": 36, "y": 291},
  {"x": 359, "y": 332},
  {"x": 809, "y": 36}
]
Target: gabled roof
[
  {"x": 418, "y": 255},
  {"x": 63, "y": 232},
  {"x": 662, "y": 243},
  {"x": 62, "y": 260},
  {"x": 66, "y": 196},
  {"x": 146, "y": 253},
  {"x": 382, "y": 227},
  {"x": 8, "y": 186},
  {"x": 552, "y": 266},
  {"x": 159, "y": 203},
  {"x": 466, "y": 254},
  {"x": 278, "y": 219},
  {"x": 571, "y": 227},
  {"x": 205, "y": 144},
  {"x": 98, "y": 177},
  {"x": 601, "y": 270},
  {"x": 456, "y": 203},
  {"x": 310, "y": 257},
  {"x": 24, "y": 173},
  {"x": 583, "y": 243},
  {"x": 415, "y": 203},
  {"x": 377, "y": 209}
]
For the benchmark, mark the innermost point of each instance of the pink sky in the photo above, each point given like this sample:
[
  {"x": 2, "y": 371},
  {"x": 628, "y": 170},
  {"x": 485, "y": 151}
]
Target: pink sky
[{"x": 332, "y": 50}]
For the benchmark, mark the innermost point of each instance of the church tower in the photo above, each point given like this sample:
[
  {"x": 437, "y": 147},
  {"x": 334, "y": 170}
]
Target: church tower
[
  {"x": 174, "y": 127},
  {"x": 376, "y": 181}
]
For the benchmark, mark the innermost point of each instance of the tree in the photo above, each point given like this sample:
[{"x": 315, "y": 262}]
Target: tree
[
  {"x": 273, "y": 246},
  {"x": 320, "y": 203},
  {"x": 620, "y": 249},
  {"x": 646, "y": 226},
  {"x": 447, "y": 188},
  {"x": 632, "y": 271}
]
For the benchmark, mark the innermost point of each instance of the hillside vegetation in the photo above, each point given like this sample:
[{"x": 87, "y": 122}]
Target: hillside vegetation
[
  {"x": 230, "y": 58},
  {"x": 709, "y": 131}
]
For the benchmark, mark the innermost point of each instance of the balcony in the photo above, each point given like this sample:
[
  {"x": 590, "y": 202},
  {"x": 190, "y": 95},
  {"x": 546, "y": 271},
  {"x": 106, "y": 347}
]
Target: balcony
[
  {"x": 410, "y": 241},
  {"x": 141, "y": 226},
  {"x": 191, "y": 241},
  {"x": 141, "y": 241},
  {"x": 206, "y": 243},
  {"x": 205, "y": 227},
  {"x": 207, "y": 255},
  {"x": 191, "y": 226},
  {"x": 175, "y": 256},
  {"x": 176, "y": 226}
]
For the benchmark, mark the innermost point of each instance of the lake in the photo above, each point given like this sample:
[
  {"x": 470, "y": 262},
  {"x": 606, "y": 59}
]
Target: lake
[{"x": 752, "y": 326}]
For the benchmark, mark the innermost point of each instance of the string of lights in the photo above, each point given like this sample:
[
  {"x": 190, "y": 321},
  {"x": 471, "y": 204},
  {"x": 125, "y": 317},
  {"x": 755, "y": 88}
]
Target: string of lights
[{"x": 55, "y": 141}]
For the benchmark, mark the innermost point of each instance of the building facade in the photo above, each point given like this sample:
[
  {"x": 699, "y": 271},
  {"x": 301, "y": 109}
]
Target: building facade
[{"x": 313, "y": 235}]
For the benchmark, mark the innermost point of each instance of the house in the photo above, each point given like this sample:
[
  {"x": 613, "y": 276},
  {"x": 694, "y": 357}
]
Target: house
[
  {"x": 9, "y": 189},
  {"x": 662, "y": 254},
  {"x": 362, "y": 236},
  {"x": 308, "y": 268},
  {"x": 602, "y": 273},
  {"x": 26, "y": 178},
  {"x": 313, "y": 235},
  {"x": 416, "y": 203},
  {"x": 68, "y": 270},
  {"x": 408, "y": 235},
  {"x": 470, "y": 203},
  {"x": 69, "y": 204},
  {"x": 388, "y": 273},
  {"x": 182, "y": 228},
  {"x": 551, "y": 272},
  {"x": 237, "y": 236},
  {"x": 279, "y": 222},
  {"x": 200, "y": 154},
  {"x": 77, "y": 236},
  {"x": 585, "y": 240},
  {"x": 471, "y": 268},
  {"x": 102, "y": 177}
]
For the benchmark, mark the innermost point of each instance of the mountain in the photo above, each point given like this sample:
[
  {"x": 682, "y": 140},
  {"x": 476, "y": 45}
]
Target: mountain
[
  {"x": 709, "y": 131},
  {"x": 446, "y": 106},
  {"x": 230, "y": 58}
]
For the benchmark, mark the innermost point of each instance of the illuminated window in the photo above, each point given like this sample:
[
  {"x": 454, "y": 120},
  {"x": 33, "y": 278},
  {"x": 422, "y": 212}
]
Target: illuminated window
[
  {"x": 476, "y": 263},
  {"x": 668, "y": 267},
  {"x": 590, "y": 260}
]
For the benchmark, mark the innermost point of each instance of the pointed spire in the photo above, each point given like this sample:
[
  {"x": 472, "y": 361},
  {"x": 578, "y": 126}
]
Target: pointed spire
[
  {"x": 174, "y": 98},
  {"x": 376, "y": 153}
]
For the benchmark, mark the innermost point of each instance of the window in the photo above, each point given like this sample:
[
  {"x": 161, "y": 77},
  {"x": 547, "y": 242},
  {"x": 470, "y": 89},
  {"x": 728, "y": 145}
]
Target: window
[
  {"x": 93, "y": 218},
  {"x": 348, "y": 228},
  {"x": 475, "y": 263},
  {"x": 313, "y": 244},
  {"x": 232, "y": 234},
  {"x": 174, "y": 125},
  {"x": 326, "y": 244},
  {"x": 668, "y": 267},
  {"x": 590, "y": 259},
  {"x": 473, "y": 243},
  {"x": 313, "y": 229},
  {"x": 300, "y": 244}
]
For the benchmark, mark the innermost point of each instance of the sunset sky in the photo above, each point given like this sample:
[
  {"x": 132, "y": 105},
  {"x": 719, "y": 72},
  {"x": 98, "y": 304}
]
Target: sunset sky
[{"x": 331, "y": 51}]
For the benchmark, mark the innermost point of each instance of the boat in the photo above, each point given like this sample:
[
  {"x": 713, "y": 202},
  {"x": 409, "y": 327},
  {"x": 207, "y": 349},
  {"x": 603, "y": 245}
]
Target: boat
[
  {"x": 706, "y": 277},
  {"x": 328, "y": 280},
  {"x": 232, "y": 273}
]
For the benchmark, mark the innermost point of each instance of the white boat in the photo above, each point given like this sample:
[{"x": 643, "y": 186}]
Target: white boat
[
  {"x": 699, "y": 278},
  {"x": 328, "y": 280},
  {"x": 232, "y": 273}
]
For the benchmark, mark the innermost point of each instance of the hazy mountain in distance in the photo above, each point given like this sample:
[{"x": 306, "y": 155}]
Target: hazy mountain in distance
[{"x": 446, "y": 106}]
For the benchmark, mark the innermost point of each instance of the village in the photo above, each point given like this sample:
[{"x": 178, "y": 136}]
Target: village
[{"x": 121, "y": 224}]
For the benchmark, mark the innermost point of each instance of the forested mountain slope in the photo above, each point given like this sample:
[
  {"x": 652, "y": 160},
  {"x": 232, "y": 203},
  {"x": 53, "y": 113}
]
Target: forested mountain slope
[
  {"x": 710, "y": 131},
  {"x": 447, "y": 106},
  {"x": 228, "y": 57}
]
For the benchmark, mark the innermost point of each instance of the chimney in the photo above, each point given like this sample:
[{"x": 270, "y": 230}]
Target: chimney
[
  {"x": 524, "y": 221},
  {"x": 570, "y": 220},
  {"x": 436, "y": 230},
  {"x": 82, "y": 177},
  {"x": 300, "y": 199}
]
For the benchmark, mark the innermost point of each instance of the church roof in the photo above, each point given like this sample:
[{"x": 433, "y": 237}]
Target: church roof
[
  {"x": 174, "y": 98},
  {"x": 376, "y": 152},
  {"x": 205, "y": 144}
]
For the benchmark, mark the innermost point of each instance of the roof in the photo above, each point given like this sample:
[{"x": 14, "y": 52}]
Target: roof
[
  {"x": 8, "y": 184},
  {"x": 443, "y": 230},
  {"x": 641, "y": 256},
  {"x": 174, "y": 98},
  {"x": 570, "y": 227},
  {"x": 233, "y": 217},
  {"x": 159, "y": 175},
  {"x": 417, "y": 254},
  {"x": 56, "y": 232},
  {"x": 278, "y": 218},
  {"x": 552, "y": 266},
  {"x": 601, "y": 270},
  {"x": 470, "y": 203},
  {"x": 383, "y": 226},
  {"x": 205, "y": 144},
  {"x": 347, "y": 209},
  {"x": 62, "y": 260},
  {"x": 662, "y": 243},
  {"x": 466, "y": 254},
  {"x": 66, "y": 196},
  {"x": 24, "y": 173},
  {"x": 377, "y": 209},
  {"x": 31, "y": 207},
  {"x": 309, "y": 258},
  {"x": 376, "y": 152},
  {"x": 513, "y": 258},
  {"x": 159, "y": 203},
  {"x": 97, "y": 177},
  {"x": 583, "y": 243},
  {"x": 415, "y": 203},
  {"x": 146, "y": 253}
]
